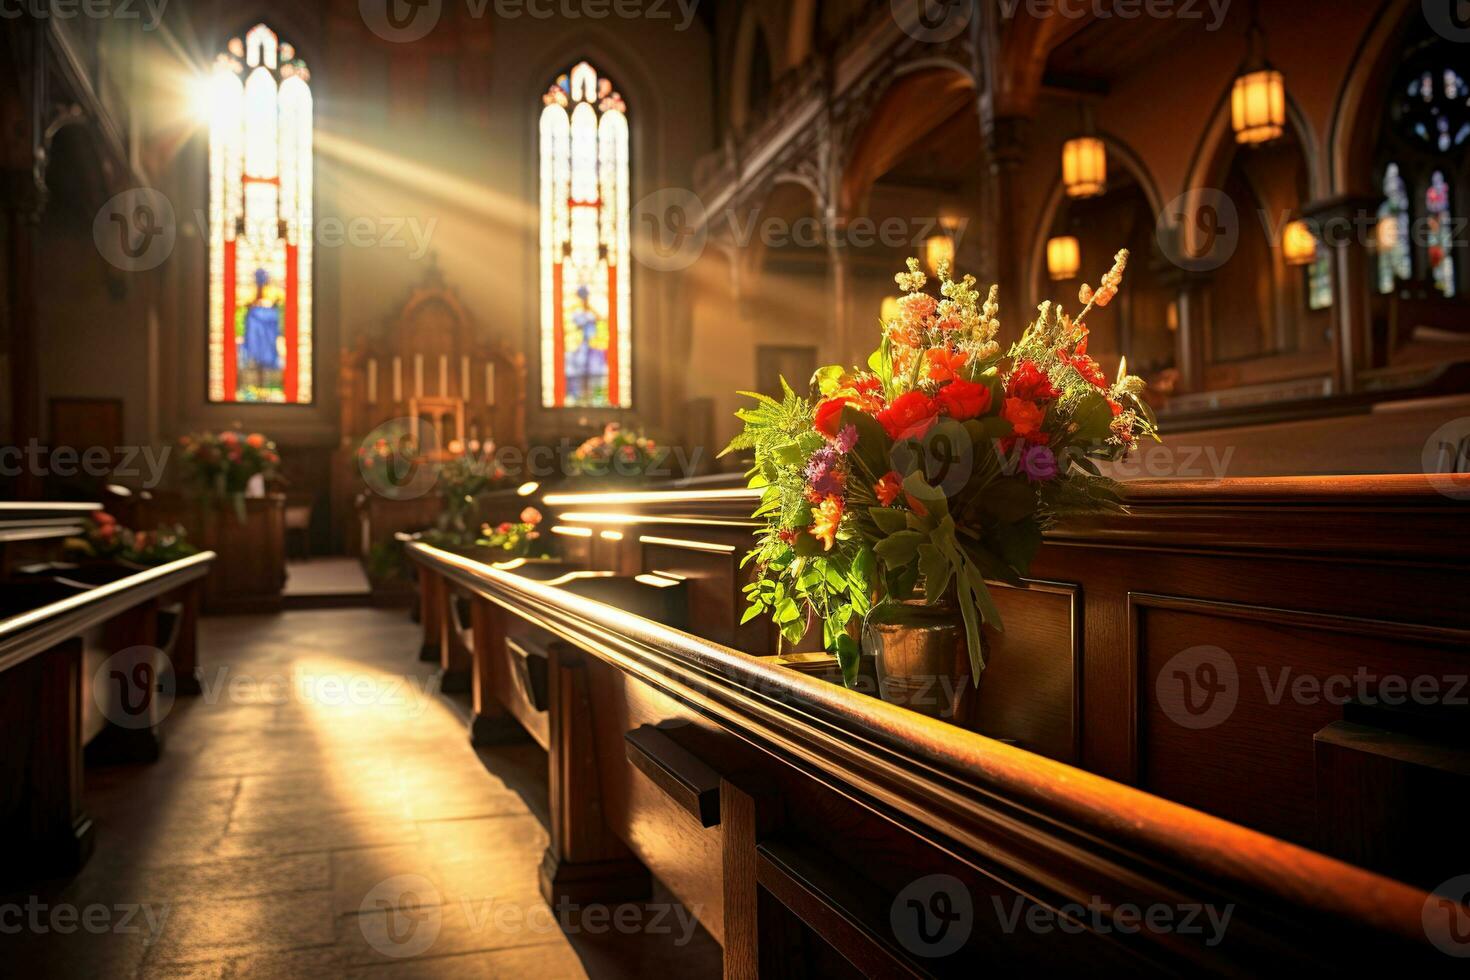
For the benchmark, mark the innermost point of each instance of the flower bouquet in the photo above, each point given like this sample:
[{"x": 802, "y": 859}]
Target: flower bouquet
[
  {"x": 469, "y": 472},
  {"x": 107, "y": 540},
  {"x": 221, "y": 466},
  {"x": 936, "y": 467},
  {"x": 618, "y": 452},
  {"x": 513, "y": 538}
]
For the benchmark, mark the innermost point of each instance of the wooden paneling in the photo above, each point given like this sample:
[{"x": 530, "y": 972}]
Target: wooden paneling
[
  {"x": 1030, "y": 692},
  {"x": 1231, "y": 697}
]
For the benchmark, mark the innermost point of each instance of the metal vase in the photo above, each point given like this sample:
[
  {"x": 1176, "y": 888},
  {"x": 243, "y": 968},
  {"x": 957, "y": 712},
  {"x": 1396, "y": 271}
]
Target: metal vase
[{"x": 922, "y": 659}]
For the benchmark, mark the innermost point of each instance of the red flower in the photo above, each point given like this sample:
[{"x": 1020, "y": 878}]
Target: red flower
[
  {"x": 829, "y": 416},
  {"x": 1029, "y": 383},
  {"x": 888, "y": 488},
  {"x": 868, "y": 386},
  {"x": 964, "y": 400},
  {"x": 1025, "y": 417},
  {"x": 944, "y": 364},
  {"x": 1086, "y": 367},
  {"x": 911, "y": 416}
]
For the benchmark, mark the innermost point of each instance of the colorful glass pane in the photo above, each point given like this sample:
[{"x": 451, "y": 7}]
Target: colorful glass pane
[
  {"x": 260, "y": 223},
  {"x": 586, "y": 246},
  {"x": 1395, "y": 260},
  {"x": 1319, "y": 280},
  {"x": 1439, "y": 238}
]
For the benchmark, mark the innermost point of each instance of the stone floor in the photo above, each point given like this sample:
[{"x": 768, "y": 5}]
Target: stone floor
[
  {"x": 326, "y": 576},
  {"x": 320, "y": 812}
]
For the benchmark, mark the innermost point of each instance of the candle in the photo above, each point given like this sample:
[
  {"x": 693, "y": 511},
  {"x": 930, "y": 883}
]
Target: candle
[
  {"x": 397, "y": 379},
  {"x": 443, "y": 375},
  {"x": 418, "y": 376},
  {"x": 489, "y": 383},
  {"x": 372, "y": 392}
]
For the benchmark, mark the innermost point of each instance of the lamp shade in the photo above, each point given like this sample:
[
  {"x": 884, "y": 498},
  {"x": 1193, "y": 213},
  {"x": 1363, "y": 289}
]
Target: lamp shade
[
  {"x": 938, "y": 248},
  {"x": 1258, "y": 107},
  {"x": 1085, "y": 167},
  {"x": 1298, "y": 244},
  {"x": 1063, "y": 258}
]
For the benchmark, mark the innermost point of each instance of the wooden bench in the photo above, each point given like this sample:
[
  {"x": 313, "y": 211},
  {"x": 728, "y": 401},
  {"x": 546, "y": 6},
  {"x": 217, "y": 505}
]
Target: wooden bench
[
  {"x": 833, "y": 807},
  {"x": 56, "y": 707}
]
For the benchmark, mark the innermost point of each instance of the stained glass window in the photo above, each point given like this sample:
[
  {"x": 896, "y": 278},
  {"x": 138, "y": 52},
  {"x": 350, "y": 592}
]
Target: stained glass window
[
  {"x": 1319, "y": 279},
  {"x": 1395, "y": 260},
  {"x": 586, "y": 290},
  {"x": 1439, "y": 237},
  {"x": 260, "y": 223}
]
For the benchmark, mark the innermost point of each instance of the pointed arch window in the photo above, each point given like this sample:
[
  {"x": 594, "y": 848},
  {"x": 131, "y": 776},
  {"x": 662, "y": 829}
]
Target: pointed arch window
[
  {"x": 586, "y": 265},
  {"x": 1425, "y": 138},
  {"x": 260, "y": 223}
]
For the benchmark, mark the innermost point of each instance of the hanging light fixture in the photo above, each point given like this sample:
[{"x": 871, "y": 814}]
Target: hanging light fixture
[
  {"x": 889, "y": 311},
  {"x": 1063, "y": 258},
  {"x": 1085, "y": 167},
  {"x": 939, "y": 247},
  {"x": 1085, "y": 160},
  {"x": 1298, "y": 244},
  {"x": 1258, "y": 102}
]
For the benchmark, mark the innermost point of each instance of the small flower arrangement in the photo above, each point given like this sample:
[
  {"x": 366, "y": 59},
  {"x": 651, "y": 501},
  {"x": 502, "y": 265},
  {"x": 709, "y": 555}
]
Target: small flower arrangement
[
  {"x": 386, "y": 466},
  {"x": 107, "y": 540},
  {"x": 937, "y": 466},
  {"x": 618, "y": 452},
  {"x": 514, "y": 539},
  {"x": 222, "y": 464},
  {"x": 469, "y": 471}
]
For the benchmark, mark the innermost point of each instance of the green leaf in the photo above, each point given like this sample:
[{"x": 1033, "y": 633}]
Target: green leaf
[
  {"x": 827, "y": 379},
  {"x": 890, "y": 520},
  {"x": 1017, "y": 543},
  {"x": 931, "y": 498},
  {"x": 849, "y": 657},
  {"x": 794, "y": 632},
  {"x": 899, "y": 549},
  {"x": 937, "y": 570},
  {"x": 1008, "y": 500},
  {"x": 1093, "y": 419},
  {"x": 871, "y": 451},
  {"x": 755, "y": 610},
  {"x": 788, "y": 455}
]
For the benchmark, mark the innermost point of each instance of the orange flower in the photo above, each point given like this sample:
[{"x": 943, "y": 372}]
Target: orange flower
[
  {"x": 944, "y": 364},
  {"x": 910, "y": 416},
  {"x": 255, "y": 440},
  {"x": 1025, "y": 417},
  {"x": 828, "y": 516},
  {"x": 888, "y": 488},
  {"x": 964, "y": 400}
]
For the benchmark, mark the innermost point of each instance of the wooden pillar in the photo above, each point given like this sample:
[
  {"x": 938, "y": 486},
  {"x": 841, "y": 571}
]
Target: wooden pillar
[
  {"x": 1005, "y": 145},
  {"x": 1344, "y": 225},
  {"x": 1192, "y": 301},
  {"x": 585, "y": 861}
]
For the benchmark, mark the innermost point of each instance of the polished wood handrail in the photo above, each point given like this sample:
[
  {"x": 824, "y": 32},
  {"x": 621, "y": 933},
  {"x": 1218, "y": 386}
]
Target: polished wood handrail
[
  {"x": 29, "y": 633},
  {"x": 1003, "y": 809}
]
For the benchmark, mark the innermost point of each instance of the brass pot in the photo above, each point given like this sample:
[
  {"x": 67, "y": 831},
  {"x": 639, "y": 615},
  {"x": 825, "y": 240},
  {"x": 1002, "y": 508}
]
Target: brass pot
[{"x": 921, "y": 657}]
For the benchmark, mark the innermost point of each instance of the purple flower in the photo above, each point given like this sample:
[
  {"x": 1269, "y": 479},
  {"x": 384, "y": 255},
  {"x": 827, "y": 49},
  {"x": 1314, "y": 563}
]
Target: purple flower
[
  {"x": 1040, "y": 463},
  {"x": 847, "y": 437},
  {"x": 821, "y": 471}
]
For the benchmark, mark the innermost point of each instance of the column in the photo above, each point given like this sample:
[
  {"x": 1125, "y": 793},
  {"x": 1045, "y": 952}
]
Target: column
[{"x": 1345, "y": 224}]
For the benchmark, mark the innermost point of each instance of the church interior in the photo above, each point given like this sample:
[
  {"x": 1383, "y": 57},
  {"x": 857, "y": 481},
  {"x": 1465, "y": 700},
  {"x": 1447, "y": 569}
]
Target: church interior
[{"x": 741, "y": 488}]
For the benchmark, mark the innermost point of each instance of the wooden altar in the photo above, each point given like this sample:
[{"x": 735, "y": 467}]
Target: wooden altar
[{"x": 434, "y": 366}]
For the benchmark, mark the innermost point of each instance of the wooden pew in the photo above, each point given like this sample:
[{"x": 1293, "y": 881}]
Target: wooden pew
[
  {"x": 827, "y": 832},
  {"x": 1309, "y": 575},
  {"x": 47, "y": 692}
]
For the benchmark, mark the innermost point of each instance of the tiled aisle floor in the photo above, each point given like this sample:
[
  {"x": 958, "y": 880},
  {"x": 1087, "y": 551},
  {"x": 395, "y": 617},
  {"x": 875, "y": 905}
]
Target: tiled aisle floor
[{"x": 317, "y": 814}]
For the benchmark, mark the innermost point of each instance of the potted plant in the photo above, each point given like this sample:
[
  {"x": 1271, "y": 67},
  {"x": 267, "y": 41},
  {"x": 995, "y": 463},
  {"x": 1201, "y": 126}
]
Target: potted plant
[
  {"x": 893, "y": 493},
  {"x": 618, "y": 454},
  {"x": 512, "y": 539},
  {"x": 227, "y": 465}
]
